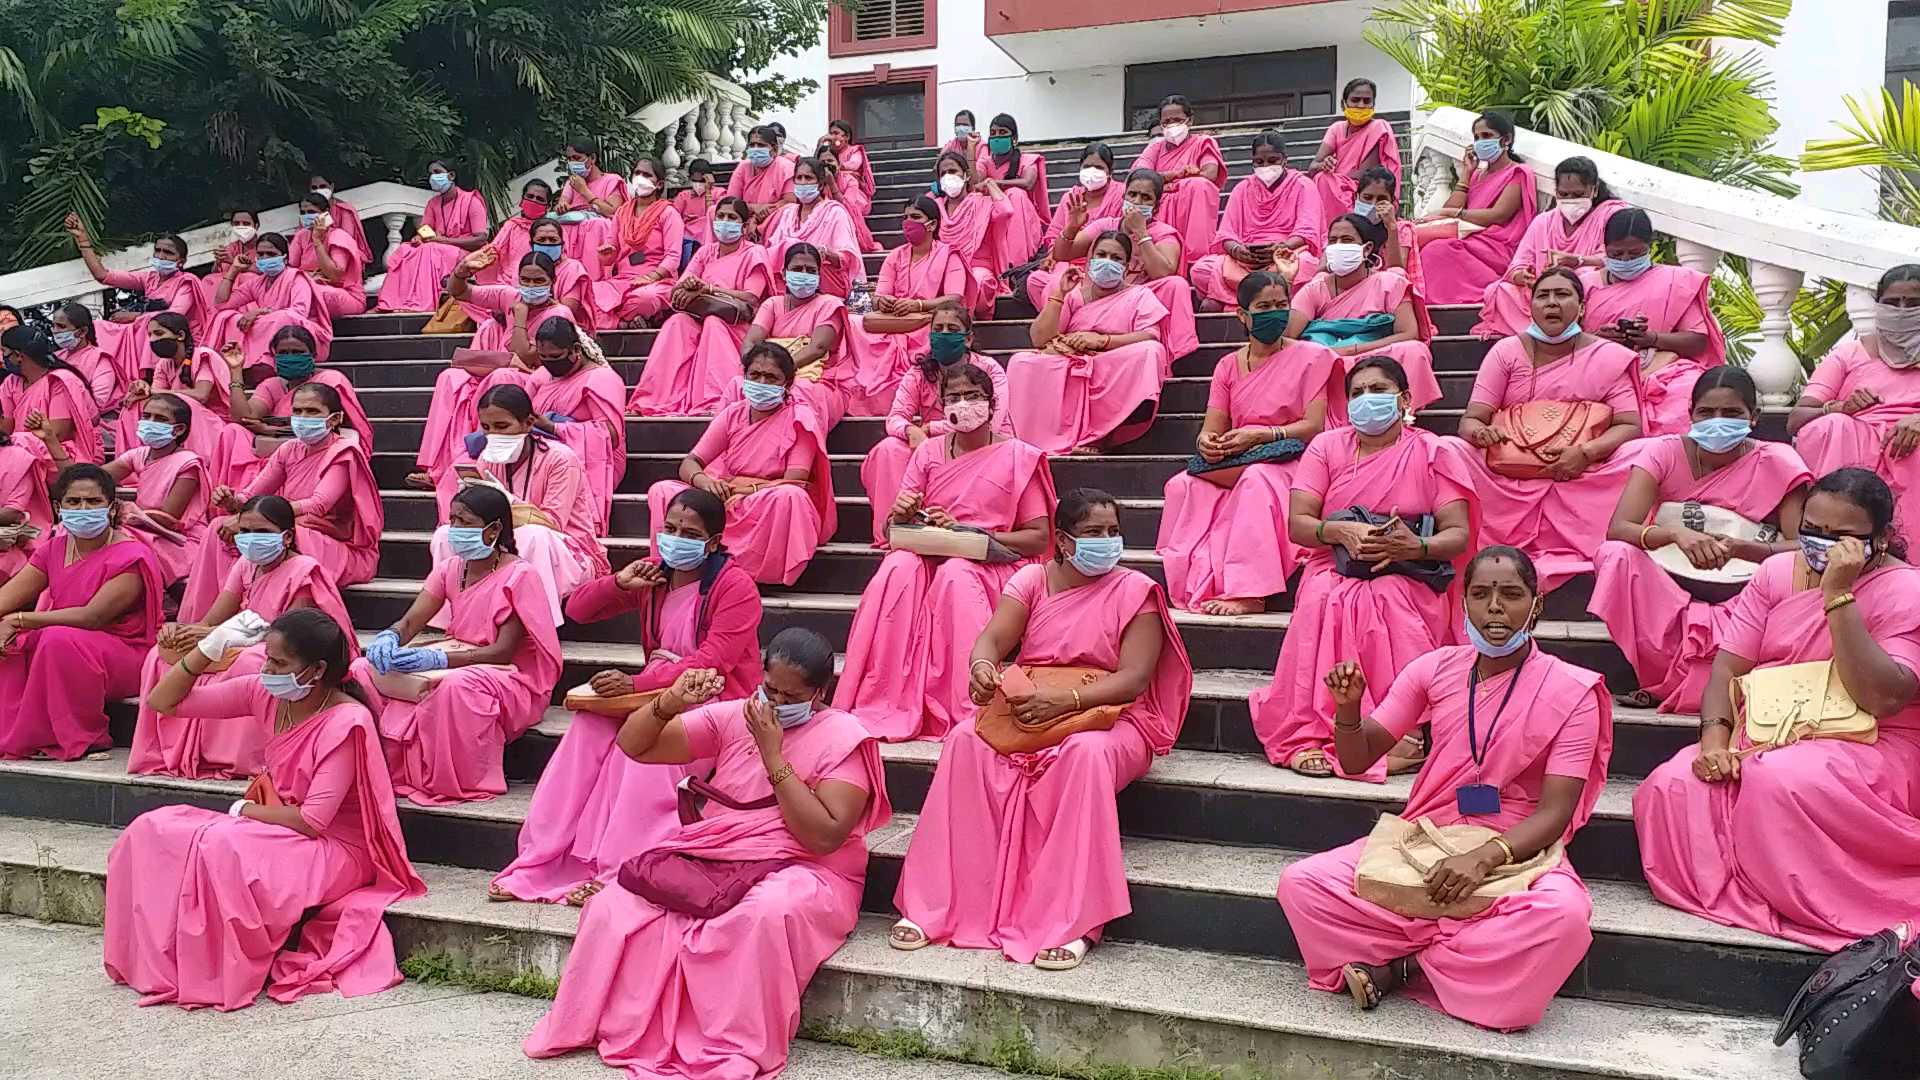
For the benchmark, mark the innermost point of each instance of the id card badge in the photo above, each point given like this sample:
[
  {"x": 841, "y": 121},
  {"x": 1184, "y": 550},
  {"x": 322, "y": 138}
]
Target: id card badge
[{"x": 1477, "y": 800}]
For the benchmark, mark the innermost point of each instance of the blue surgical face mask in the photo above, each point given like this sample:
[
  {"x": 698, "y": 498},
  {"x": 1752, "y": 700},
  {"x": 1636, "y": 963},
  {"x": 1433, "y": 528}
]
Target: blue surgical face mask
[
  {"x": 806, "y": 193},
  {"x": 551, "y": 251},
  {"x": 680, "y": 552},
  {"x": 1096, "y": 555},
  {"x": 66, "y": 339},
  {"x": 1371, "y": 414},
  {"x": 727, "y": 230},
  {"x": 469, "y": 542},
  {"x": 439, "y": 181},
  {"x": 1366, "y": 210},
  {"x": 577, "y": 168},
  {"x": 788, "y": 716},
  {"x": 759, "y": 156},
  {"x": 260, "y": 548},
  {"x": 763, "y": 395},
  {"x": 1145, "y": 210},
  {"x": 155, "y": 433},
  {"x": 309, "y": 429},
  {"x": 536, "y": 294},
  {"x": 1486, "y": 149},
  {"x": 163, "y": 267},
  {"x": 85, "y": 524},
  {"x": 802, "y": 285},
  {"x": 1572, "y": 331},
  {"x": 1720, "y": 434},
  {"x": 1106, "y": 273},
  {"x": 286, "y": 687},
  {"x": 271, "y": 265},
  {"x": 1628, "y": 269},
  {"x": 307, "y": 219},
  {"x": 1488, "y": 649},
  {"x": 963, "y": 132}
]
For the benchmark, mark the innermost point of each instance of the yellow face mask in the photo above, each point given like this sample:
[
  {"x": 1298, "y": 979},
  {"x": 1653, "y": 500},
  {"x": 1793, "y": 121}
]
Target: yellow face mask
[{"x": 1358, "y": 117}]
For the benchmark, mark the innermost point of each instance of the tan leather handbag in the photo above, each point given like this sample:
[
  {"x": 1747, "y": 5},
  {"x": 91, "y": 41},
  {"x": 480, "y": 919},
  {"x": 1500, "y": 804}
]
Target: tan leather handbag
[
  {"x": 1534, "y": 426},
  {"x": 1399, "y": 854},
  {"x": 1785, "y": 703},
  {"x": 996, "y": 724},
  {"x": 449, "y": 318}
]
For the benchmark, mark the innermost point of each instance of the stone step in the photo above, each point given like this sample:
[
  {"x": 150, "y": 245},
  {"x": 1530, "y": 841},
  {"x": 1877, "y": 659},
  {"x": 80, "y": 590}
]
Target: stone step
[{"x": 1319, "y": 122}]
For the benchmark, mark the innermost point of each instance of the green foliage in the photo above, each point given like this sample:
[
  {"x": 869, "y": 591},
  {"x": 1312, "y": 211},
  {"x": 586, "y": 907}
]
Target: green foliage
[
  {"x": 1885, "y": 137},
  {"x": 444, "y": 968}
]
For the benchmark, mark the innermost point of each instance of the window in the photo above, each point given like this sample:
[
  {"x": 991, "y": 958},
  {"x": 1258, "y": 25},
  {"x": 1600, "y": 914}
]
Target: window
[
  {"x": 881, "y": 26},
  {"x": 1903, "y": 45},
  {"x": 887, "y": 106},
  {"x": 1231, "y": 89}
]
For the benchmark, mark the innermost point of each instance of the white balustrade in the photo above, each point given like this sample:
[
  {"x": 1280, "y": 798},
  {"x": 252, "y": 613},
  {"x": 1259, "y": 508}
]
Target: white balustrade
[
  {"x": 680, "y": 124},
  {"x": 1784, "y": 242}
]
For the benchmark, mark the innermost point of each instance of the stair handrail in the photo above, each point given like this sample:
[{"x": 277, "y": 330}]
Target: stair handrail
[
  {"x": 709, "y": 123},
  {"x": 1784, "y": 241}
]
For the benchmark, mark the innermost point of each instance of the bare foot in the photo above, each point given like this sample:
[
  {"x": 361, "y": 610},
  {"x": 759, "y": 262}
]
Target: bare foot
[
  {"x": 1233, "y": 607},
  {"x": 1311, "y": 762},
  {"x": 583, "y": 892}
]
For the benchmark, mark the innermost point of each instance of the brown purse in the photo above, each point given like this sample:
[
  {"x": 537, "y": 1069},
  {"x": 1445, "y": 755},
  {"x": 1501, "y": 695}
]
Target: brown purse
[
  {"x": 997, "y": 727},
  {"x": 1534, "y": 426}
]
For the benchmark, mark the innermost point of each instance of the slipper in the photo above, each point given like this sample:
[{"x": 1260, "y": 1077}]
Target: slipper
[
  {"x": 1077, "y": 948},
  {"x": 574, "y": 899},
  {"x": 1298, "y": 764},
  {"x": 908, "y": 946},
  {"x": 1638, "y": 699},
  {"x": 499, "y": 895},
  {"x": 1360, "y": 985}
]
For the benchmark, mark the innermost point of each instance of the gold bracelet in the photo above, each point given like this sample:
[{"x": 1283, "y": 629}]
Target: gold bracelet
[
  {"x": 1508, "y": 848},
  {"x": 983, "y": 660},
  {"x": 785, "y": 774},
  {"x": 1838, "y": 602},
  {"x": 1644, "y": 530},
  {"x": 1076, "y": 701}
]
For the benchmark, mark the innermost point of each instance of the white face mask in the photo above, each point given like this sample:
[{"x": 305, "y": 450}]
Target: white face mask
[
  {"x": 1093, "y": 178},
  {"x": 1344, "y": 258},
  {"x": 642, "y": 186},
  {"x": 953, "y": 184},
  {"x": 502, "y": 449},
  {"x": 1575, "y": 209},
  {"x": 1268, "y": 174},
  {"x": 244, "y": 233},
  {"x": 698, "y": 187},
  {"x": 1174, "y": 133},
  {"x": 324, "y": 192}
]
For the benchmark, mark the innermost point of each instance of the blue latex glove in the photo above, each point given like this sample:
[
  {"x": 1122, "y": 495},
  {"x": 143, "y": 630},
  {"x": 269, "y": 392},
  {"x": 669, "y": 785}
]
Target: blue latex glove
[
  {"x": 559, "y": 418},
  {"x": 381, "y": 649},
  {"x": 414, "y": 661}
]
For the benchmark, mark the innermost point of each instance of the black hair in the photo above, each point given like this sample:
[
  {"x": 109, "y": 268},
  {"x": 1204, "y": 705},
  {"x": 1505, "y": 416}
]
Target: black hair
[
  {"x": 254, "y": 214},
  {"x": 972, "y": 374},
  {"x": 509, "y": 397},
  {"x": 972, "y": 120},
  {"x": 298, "y": 333},
  {"x": 1158, "y": 181},
  {"x": 965, "y": 163},
  {"x": 696, "y": 166},
  {"x": 1354, "y": 84},
  {"x": 808, "y": 650},
  {"x": 777, "y": 128},
  {"x": 314, "y": 198},
  {"x": 1895, "y": 275},
  {"x": 928, "y": 366},
  {"x": 1583, "y": 169},
  {"x": 1579, "y": 290},
  {"x": 279, "y": 513},
  {"x": 659, "y": 169},
  {"x": 1371, "y": 231},
  {"x": 582, "y": 144},
  {"x": 1378, "y": 174},
  {"x": 1386, "y": 365},
  {"x": 492, "y": 507},
  {"x": 329, "y": 397},
  {"x": 537, "y": 258},
  {"x": 1180, "y": 100},
  {"x": 558, "y": 331},
  {"x": 706, "y": 505},
  {"x": 1256, "y": 283},
  {"x": 1075, "y": 505},
  {"x": 1865, "y": 489},
  {"x": 542, "y": 224},
  {"x": 179, "y": 244},
  {"x": 841, "y": 126},
  {"x": 1502, "y": 125},
  {"x": 81, "y": 319},
  {"x": 1099, "y": 150},
  {"x": 536, "y": 182},
  {"x": 765, "y": 133},
  {"x": 182, "y": 414},
  {"x": 1007, "y": 121},
  {"x": 1731, "y": 377},
  {"x": 811, "y": 163},
  {"x": 777, "y": 353},
  {"x": 311, "y": 635},
  {"x": 801, "y": 248},
  {"x": 178, "y": 323},
  {"x": 1499, "y": 552},
  {"x": 1126, "y": 242},
  {"x": 927, "y": 205},
  {"x": 739, "y": 205},
  {"x": 1631, "y": 222},
  {"x": 278, "y": 240},
  {"x": 82, "y": 470},
  {"x": 442, "y": 162},
  {"x": 1269, "y": 137}
]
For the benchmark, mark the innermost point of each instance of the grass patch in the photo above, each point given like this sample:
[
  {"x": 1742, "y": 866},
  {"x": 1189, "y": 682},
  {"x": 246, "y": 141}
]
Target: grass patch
[
  {"x": 436, "y": 967},
  {"x": 1011, "y": 1052}
]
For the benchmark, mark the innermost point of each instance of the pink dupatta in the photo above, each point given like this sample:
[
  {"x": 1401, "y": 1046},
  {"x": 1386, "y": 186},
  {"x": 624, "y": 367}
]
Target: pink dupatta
[
  {"x": 1258, "y": 214},
  {"x": 593, "y": 397},
  {"x": 759, "y": 448},
  {"x": 60, "y": 393},
  {"x": 475, "y": 614},
  {"x": 829, "y": 227},
  {"x": 1351, "y": 147}
]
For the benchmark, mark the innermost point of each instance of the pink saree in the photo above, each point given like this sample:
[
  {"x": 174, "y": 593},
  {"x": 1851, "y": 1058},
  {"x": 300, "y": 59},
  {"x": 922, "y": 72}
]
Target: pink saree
[
  {"x": 917, "y": 402},
  {"x": 1026, "y": 224},
  {"x": 1257, "y": 214},
  {"x": 55, "y": 682},
  {"x": 180, "y": 291},
  {"x": 659, "y": 993},
  {"x": 1459, "y": 271},
  {"x": 292, "y": 301},
  {"x": 762, "y": 186},
  {"x": 1181, "y": 333},
  {"x": 552, "y": 479},
  {"x": 451, "y": 414},
  {"x": 61, "y": 395},
  {"x": 1673, "y": 299},
  {"x": 416, "y": 271},
  {"x": 1506, "y": 308},
  {"x": 1379, "y": 291},
  {"x": 783, "y": 317},
  {"x": 445, "y": 748},
  {"x": 880, "y": 361},
  {"x": 616, "y": 296},
  {"x": 224, "y": 446},
  {"x": 585, "y": 238},
  {"x": 1232, "y": 542},
  {"x": 695, "y": 360},
  {"x": 1501, "y": 968},
  {"x": 1351, "y": 150},
  {"x": 906, "y": 674},
  {"x": 975, "y": 225},
  {"x": 349, "y": 297},
  {"x": 198, "y": 748},
  {"x": 827, "y": 226},
  {"x": 1837, "y": 440},
  {"x": 1109, "y": 202},
  {"x": 23, "y": 487},
  {"x": 1669, "y": 637},
  {"x": 200, "y": 906},
  {"x": 152, "y": 482},
  {"x": 1023, "y": 854},
  {"x": 1192, "y": 204},
  {"x": 594, "y": 427},
  {"x": 1817, "y": 842},
  {"x": 1061, "y": 402}
]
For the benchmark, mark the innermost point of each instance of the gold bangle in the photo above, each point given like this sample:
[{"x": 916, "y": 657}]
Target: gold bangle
[
  {"x": 1838, "y": 602},
  {"x": 983, "y": 660},
  {"x": 785, "y": 774},
  {"x": 1076, "y": 701},
  {"x": 1508, "y": 848},
  {"x": 1644, "y": 530}
]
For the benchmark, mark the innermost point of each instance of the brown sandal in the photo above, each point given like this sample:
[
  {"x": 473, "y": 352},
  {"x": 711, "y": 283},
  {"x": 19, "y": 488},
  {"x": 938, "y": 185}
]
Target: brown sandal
[
  {"x": 584, "y": 892},
  {"x": 1300, "y": 763}
]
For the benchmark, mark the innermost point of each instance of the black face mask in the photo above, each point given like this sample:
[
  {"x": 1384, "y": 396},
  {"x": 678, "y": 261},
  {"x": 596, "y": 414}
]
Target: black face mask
[
  {"x": 560, "y": 368},
  {"x": 165, "y": 347}
]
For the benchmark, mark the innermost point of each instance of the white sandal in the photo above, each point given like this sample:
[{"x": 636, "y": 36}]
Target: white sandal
[
  {"x": 908, "y": 946},
  {"x": 1077, "y": 948}
]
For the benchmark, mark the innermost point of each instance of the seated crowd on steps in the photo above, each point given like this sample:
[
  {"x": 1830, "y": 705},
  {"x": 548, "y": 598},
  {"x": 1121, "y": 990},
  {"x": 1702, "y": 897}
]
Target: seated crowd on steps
[{"x": 200, "y": 460}]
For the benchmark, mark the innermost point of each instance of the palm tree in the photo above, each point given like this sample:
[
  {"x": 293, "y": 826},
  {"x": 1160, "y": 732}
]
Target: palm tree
[{"x": 1885, "y": 137}]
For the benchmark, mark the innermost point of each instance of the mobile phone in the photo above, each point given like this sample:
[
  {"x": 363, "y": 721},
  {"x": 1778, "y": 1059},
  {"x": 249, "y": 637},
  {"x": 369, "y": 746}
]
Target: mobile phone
[{"x": 1628, "y": 325}]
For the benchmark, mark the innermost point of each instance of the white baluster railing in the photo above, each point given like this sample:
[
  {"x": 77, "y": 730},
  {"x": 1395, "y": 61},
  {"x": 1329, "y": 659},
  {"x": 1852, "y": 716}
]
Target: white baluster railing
[
  {"x": 1785, "y": 243},
  {"x": 711, "y": 123}
]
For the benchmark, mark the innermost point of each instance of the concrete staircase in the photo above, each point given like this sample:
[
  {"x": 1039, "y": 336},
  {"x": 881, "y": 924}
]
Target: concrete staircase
[{"x": 1205, "y": 972}]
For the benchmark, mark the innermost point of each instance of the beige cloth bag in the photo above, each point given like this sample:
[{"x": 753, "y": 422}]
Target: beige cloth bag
[{"x": 1399, "y": 853}]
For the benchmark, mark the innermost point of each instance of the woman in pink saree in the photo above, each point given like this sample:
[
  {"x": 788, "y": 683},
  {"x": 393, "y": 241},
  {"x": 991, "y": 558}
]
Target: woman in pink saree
[
  {"x": 974, "y": 217},
  {"x": 267, "y": 409},
  {"x": 347, "y": 216},
  {"x": 1387, "y": 467},
  {"x": 165, "y": 285},
  {"x": 588, "y": 203},
  {"x": 1379, "y": 200},
  {"x": 270, "y": 579},
  {"x": 695, "y": 203},
  {"x": 1571, "y": 233},
  {"x": 514, "y": 238},
  {"x": 255, "y": 306},
  {"x": 1545, "y": 756},
  {"x": 1560, "y": 518},
  {"x": 445, "y": 747},
  {"x": 1096, "y": 194},
  {"x": 171, "y": 486},
  {"x": 325, "y": 474},
  {"x": 576, "y": 399},
  {"x": 1273, "y": 217},
  {"x": 1359, "y": 309},
  {"x": 968, "y": 138},
  {"x": 1667, "y": 635},
  {"x": 1022, "y": 853},
  {"x": 1023, "y": 176},
  {"x": 795, "y": 787},
  {"x": 559, "y": 518},
  {"x": 177, "y": 364},
  {"x": 200, "y": 905},
  {"x": 1094, "y": 380},
  {"x": 1497, "y": 194},
  {"x": 814, "y": 219},
  {"x": 43, "y": 394},
  {"x": 74, "y": 623},
  {"x": 594, "y": 807},
  {"x": 836, "y": 189},
  {"x": 647, "y": 232},
  {"x": 23, "y": 501},
  {"x": 1661, "y": 312},
  {"x": 812, "y": 326},
  {"x": 1351, "y": 146},
  {"x": 917, "y": 277},
  {"x": 76, "y": 337},
  {"x": 453, "y": 224},
  {"x": 695, "y": 359},
  {"x": 1816, "y": 841},
  {"x": 854, "y": 183},
  {"x": 1157, "y": 261},
  {"x": 765, "y": 456},
  {"x": 243, "y": 226},
  {"x": 905, "y": 675},
  {"x": 918, "y": 412},
  {"x": 764, "y": 178},
  {"x": 1223, "y": 536},
  {"x": 328, "y": 255},
  {"x": 1194, "y": 171}
]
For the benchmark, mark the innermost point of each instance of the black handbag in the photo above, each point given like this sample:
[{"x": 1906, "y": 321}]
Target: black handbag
[
  {"x": 1278, "y": 450},
  {"x": 1857, "y": 1017},
  {"x": 1435, "y": 574}
]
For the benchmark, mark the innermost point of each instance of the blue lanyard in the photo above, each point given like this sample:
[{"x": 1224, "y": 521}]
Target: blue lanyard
[{"x": 1473, "y": 693}]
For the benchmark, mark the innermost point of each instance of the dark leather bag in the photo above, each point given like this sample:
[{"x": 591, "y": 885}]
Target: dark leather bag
[
  {"x": 1857, "y": 1017},
  {"x": 688, "y": 884},
  {"x": 1435, "y": 574}
]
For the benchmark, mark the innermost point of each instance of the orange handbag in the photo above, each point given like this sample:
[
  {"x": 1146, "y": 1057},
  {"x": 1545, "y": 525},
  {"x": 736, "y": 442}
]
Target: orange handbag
[
  {"x": 996, "y": 724},
  {"x": 1542, "y": 425}
]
